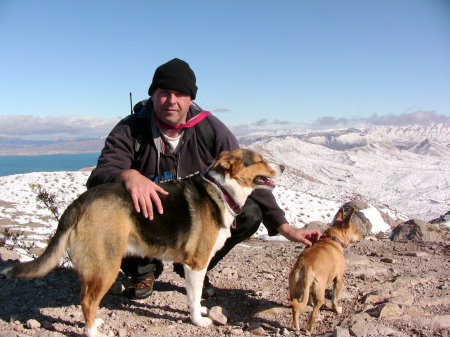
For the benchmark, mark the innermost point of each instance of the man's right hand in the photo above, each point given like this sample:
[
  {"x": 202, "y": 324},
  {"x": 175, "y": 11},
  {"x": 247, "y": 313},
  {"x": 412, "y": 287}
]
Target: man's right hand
[{"x": 143, "y": 192}]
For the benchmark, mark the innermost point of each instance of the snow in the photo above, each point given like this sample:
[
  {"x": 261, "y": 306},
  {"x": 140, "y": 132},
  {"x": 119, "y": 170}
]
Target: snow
[
  {"x": 317, "y": 181},
  {"x": 374, "y": 216}
]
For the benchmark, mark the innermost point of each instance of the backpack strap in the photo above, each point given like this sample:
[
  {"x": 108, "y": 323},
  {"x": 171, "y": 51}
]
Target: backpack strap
[
  {"x": 206, "y": 132},
  {"x": 138, "y": 130}
]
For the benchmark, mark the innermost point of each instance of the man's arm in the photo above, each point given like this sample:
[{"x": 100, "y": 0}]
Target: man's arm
[
  {"x": 305, "y": 236},
  {"x": 114, "y": 165},
  {"x": 116, "y": 156}
]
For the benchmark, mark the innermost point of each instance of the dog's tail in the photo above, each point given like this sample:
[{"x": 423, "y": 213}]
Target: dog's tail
[
  {"x": 299, "y": 291},
  {"x": 52, "y": 255}
]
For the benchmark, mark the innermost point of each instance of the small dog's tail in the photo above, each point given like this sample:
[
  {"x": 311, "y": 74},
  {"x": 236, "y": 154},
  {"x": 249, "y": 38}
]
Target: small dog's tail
[
  {"x": 52, "y": 255},
  {"x": 300, "y": 283}
]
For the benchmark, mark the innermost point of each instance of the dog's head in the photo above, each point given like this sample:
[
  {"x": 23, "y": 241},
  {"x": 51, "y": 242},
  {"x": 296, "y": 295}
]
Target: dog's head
[
  {"x": 242, "y": 171},
  {"x": 343, "y": 225}
]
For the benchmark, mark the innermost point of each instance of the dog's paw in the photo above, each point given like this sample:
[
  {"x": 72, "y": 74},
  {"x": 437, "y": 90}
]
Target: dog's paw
[
  {"x": 202, "y": 321},
  {"x": 204, "y": 311},
  {"x": 93, "y": 332}
]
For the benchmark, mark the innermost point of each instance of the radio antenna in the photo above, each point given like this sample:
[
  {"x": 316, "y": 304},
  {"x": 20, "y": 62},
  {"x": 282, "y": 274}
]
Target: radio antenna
[{"x": 131, "y": 103}]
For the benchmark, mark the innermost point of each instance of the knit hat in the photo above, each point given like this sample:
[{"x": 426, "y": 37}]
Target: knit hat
[{"x": 174, "y": 75}]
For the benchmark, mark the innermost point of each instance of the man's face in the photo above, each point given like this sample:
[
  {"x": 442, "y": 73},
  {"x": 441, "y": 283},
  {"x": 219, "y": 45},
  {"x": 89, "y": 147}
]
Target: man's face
[{"x": 171, "y": 106}]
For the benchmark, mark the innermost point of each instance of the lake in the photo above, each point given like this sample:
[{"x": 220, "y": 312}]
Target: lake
[{"x": 46, "y": 163}]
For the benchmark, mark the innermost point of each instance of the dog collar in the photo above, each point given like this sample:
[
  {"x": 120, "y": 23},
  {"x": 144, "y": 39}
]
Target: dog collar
[
  {"x": 232, "y": 206},
  {"x": 333, "y": 238}
]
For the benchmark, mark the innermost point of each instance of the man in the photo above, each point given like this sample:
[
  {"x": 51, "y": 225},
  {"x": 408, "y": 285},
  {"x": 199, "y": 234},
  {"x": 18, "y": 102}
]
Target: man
[{"x": 164, "y": 141}]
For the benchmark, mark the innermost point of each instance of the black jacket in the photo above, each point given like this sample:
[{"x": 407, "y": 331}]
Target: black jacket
[{"x": 135, "y": 143}]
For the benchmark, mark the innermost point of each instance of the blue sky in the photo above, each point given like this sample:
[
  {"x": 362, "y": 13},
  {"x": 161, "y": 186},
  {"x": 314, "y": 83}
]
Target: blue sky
[{"x": 67, "y": 67}]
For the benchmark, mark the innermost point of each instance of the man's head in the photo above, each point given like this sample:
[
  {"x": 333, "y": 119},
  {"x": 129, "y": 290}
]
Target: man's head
[
  {"x": 174, "y": 75},
  {"x": 172, "y": 91}
]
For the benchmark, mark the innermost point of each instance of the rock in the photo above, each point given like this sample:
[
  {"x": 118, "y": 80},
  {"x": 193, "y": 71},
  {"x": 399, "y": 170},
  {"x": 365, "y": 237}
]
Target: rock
[
  {"x": 236, "y": 332},
  {"x": 341, "y": 332},
  {"x": 358, "y": 218},
  {"x": 321, "y": 226},
  {"x": 6, "y": 254},
  {"x": 218, "y": 315},
  {"x": 369, "y": 329},
  {"x": 388, "y": 310},
  {"x": 402, "y": 300},
  {"x": 374, "y": 297},
  {"x": 414, "y": 230},
  {"x": 259, "y": 331},
  {"x": 33, "y": 324}
]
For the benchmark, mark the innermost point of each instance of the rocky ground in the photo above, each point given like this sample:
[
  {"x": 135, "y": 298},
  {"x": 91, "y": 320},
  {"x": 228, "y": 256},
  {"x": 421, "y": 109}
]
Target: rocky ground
[{"x": 391, "y": 289}]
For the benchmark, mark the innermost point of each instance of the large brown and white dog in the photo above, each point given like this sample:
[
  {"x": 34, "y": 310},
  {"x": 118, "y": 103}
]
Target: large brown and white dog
[
  {"x": 319, "y": 265},
  {"x": 101, "y": 226}
]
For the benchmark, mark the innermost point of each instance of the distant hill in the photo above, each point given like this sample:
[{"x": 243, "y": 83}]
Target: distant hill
[
  {"x": 15, "y": 146},
  {"x": 402, "y": 137},
  {"x": 406, "y": 168}
]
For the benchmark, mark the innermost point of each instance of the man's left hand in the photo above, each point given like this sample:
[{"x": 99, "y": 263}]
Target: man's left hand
[{"x": 305, "y": 236}]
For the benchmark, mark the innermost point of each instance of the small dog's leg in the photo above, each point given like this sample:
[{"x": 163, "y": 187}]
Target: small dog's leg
[
  {"x": 337, "y": 286},
  {"x": 295, "y": 313},
  {"x": 318, "y": 298},
  {"x": 194, "y": 283},
  {"x": 93, "y": 332}
]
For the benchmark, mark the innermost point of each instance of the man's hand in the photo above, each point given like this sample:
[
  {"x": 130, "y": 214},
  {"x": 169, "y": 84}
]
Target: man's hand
[
  {"x": 143, "y": 192},
  {"x": 305, "y": 236}
]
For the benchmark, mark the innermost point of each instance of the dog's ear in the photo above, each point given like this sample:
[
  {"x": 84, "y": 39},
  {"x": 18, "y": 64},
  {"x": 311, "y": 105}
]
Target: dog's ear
[
  {"x": 346, "y": 221},
  {"x": 339, "y": 215},
  {"x": 225, "y": 162}
]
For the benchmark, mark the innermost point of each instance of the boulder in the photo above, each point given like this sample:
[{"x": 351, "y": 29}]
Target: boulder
[{"x": 415, "y": 230}]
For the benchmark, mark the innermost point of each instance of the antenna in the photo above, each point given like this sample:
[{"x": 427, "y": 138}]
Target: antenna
[{"x": 131, "y": 103}]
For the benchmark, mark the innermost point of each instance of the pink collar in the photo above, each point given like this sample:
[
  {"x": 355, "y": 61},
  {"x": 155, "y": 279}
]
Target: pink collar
[
  {"x": 334, "y": 239},
  {"x": 228, "y": 198},
  {"x": 190, "y": 123}
]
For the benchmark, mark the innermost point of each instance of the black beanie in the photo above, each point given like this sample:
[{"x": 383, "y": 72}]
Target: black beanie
[{"x": 174, "y": 75}]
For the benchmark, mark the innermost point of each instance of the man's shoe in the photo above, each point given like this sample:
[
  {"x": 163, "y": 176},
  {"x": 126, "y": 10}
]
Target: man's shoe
[{"x": 140, "y": 289}]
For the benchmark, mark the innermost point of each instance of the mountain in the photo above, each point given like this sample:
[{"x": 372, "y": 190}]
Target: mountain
[
  {"x": 16, "y": 146},
  {"x": 402, "y": 137},
  {"x": 431, "y": 148},
  {"x": 373, "y": 165}
]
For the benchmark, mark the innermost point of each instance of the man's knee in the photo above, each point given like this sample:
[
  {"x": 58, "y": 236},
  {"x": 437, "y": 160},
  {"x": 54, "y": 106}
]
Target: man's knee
[{"x": 250, "y": 219}]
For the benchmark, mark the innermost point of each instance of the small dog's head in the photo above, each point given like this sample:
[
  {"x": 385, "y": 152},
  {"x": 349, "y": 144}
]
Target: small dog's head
[
  {"x": 246, "y": 168},
  {"x": 342, "y": 223}
]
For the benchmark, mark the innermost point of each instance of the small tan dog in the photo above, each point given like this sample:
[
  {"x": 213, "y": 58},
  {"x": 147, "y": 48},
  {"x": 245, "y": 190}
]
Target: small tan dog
[{"x": 319, "y": 265}]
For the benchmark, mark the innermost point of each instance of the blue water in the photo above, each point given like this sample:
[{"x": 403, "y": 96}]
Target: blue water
[{"x": 46, "y": 163}]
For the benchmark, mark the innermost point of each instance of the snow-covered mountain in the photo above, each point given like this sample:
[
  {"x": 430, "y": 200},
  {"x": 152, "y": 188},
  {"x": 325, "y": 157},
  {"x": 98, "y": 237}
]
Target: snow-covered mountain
[
  {"x": 403, "y": 171},
  {"x": 406, "y": 169}
]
